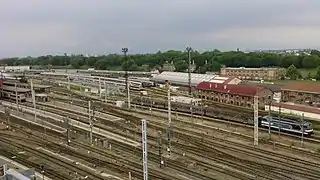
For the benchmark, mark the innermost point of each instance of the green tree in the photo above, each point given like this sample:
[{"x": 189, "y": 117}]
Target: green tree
[
  {"x": 293, "y": 73},
  {"x": 213, "y": 58},
  {"x": 309, "y": 62},
  {"x": 310, "y": 76},
  {"x": 181, "y": 66},
  {"x": 317, "y": 76}
]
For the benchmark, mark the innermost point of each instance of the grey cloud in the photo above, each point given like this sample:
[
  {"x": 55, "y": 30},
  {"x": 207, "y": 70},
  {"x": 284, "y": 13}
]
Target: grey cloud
[{"x": 36, "y": 27}]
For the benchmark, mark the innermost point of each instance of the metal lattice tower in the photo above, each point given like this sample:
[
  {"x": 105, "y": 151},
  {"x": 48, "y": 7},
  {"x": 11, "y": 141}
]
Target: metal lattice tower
[
  {"x": 256, "y": 127},
  {"x": 169, "y": 122},
  {"x": 144, "y": 148}
]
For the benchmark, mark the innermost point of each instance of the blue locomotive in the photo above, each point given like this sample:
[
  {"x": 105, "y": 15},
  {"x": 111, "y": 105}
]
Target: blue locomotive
[{"x": 286, "y": 125}]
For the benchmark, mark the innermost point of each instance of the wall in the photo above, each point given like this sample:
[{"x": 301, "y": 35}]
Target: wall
[{"x": 293, "y": 112}]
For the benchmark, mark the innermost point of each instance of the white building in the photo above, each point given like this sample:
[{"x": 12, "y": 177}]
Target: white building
[
  {"x": 179, "y": 78},
  {"x": 17, "y": 68}
]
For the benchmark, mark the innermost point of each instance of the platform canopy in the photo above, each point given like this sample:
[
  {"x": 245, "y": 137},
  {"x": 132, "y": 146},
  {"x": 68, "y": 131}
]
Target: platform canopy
[{"x": 181, "y": 78}]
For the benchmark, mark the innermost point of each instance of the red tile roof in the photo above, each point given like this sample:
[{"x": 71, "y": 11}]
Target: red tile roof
[
  {"x": 244, "y": 90},
  {"x": 302, "y": 86}
]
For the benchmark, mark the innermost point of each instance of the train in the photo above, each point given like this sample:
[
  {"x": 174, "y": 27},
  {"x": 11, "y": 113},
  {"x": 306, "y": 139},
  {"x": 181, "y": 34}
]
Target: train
[{"x": 286, "y": 125}]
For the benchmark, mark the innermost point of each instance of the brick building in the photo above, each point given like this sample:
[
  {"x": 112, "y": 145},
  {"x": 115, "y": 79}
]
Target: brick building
[
  {"x": 253, "y": 73},
  {"x": 303, "y": 92},
  {"x": 240, "y": 95}
]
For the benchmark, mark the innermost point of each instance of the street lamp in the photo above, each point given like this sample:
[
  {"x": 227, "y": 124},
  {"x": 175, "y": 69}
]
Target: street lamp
[{"x": 189, "y": 49}]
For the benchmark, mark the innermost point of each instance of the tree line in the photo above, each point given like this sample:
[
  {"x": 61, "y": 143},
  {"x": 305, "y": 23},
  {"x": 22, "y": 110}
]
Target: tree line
[{"x": 204, "y": 61}]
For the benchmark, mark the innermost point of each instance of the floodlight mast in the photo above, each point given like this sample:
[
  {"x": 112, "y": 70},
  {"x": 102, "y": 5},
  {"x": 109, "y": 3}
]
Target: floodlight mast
[{"x": 125, "y": 51}]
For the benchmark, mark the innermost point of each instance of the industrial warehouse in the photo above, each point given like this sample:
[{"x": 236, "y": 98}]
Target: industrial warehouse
[{"x": 89, "y": 124}]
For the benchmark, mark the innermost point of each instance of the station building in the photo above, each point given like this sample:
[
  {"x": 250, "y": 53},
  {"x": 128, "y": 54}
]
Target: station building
[
  {"x": 253, "y": 73},
  {"x": 240, "y": 95},
  {"x": 301, "y": 92}
]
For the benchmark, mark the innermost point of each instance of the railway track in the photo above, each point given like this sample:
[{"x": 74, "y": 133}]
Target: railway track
[
  {"x": 174, "y": 166},
  {"x": 236, "y": 123},
  {"x": 198, "y": 139},
  {"x": 129, "y": 148},
  {"x": 272, "y": 154},
  {"x": 312, "y": 170}
]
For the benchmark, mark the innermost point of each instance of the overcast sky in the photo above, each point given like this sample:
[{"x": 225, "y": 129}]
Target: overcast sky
[{"x": 39, "y": 27}]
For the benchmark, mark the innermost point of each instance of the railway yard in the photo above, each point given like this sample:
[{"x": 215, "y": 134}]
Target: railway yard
[{"x": 65, "y": 139}]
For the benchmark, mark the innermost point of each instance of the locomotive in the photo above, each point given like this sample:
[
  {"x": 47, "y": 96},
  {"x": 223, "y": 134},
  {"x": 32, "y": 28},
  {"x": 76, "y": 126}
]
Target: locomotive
[{"x": 286, "y": 125}]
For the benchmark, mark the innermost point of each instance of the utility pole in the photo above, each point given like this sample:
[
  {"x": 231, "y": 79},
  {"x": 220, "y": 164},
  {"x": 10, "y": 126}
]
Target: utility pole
[
  {"x": 256, "y": 127},
  {"x": 105, "y": 92},
  {"x": 90, "y": 121},
  {"x": 144, "y": 148},
  {"x": 160, "y": 148},
  {"x": 128, "y": 90},
  {"x": 189, "y": 49},
  {"x": 169, "y": 122},
  {"x": 129, "y": 175},
  {"x": 150, "y": 105},
  {"x": 191, "y": 110},
  {"x": 15, "y": 87},
  {"x": 302, "y": 128},
  {"x": 34, "y": 101},
  {"x": 68, "y": 83},
  {"x": 7, "y": 114},
  {"x": 100, "y": 87},
  {"x": 125, "y": 50},
  {"x": 279, "y": 120},
  {"x": 269, "y": 119},
  {"x": 68, "y": 130}
]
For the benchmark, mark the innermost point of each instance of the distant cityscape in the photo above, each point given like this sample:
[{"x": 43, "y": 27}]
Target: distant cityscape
[{"x": 283, "y": 51}]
